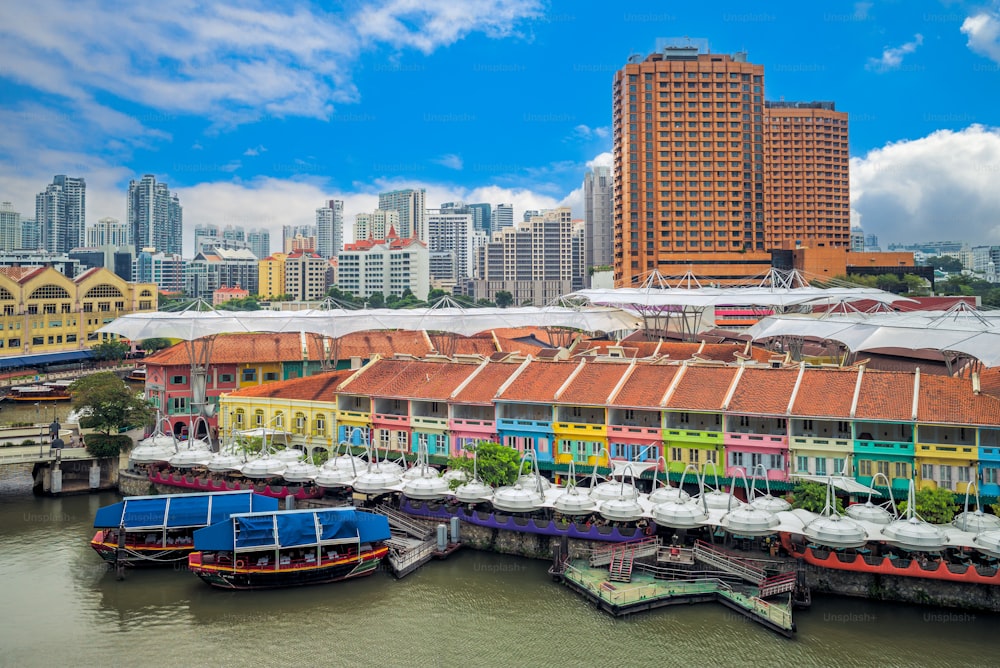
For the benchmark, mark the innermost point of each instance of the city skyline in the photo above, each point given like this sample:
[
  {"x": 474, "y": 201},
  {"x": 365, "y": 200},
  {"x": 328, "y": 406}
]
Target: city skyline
[{"x": 253, "y": 155}]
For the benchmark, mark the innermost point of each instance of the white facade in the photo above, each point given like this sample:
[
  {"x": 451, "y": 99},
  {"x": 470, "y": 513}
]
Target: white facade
[
  {"x": 108, "y": 232},
  {"x": 330, "y": 228},
  {"x": 305, "y": 276},
  {"x": 412, "y": 208},
  {"x": 155, "y": 216},
  {"x": 10, "y": 227},
  {"x": 166, "y": 270},
  {"x": 598, "y": 218},
  {"x": 388, "y": 268},
  {"x": 502, "y": 217},
  {"x": 449, "y": 241},
  {"x": 375, "y": 225},
  {"x": 61, "y": 213}
]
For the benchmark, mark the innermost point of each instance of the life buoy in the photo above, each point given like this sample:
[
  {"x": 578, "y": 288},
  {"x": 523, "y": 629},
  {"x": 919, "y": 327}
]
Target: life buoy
[{"x": 240, "y": 563}]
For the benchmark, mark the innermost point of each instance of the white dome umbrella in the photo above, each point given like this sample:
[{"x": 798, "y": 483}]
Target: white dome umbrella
[
  {"x": 264, "y": 467},
  {"x": 609, "y": 489},
  {"x": 771, "y": 504},
  {"x": 300, "y": 472},
  {"x": 988, "y": 542},
  {"x": 745, "y": 520},
  {"x": 421, "y": 468},
  {"x": 833, "y": 530},
  {"x": 680, "y": 514},
  {"x": 474, "y": 491},
  {"x": 334, "y": 477},
  {"x": 186, "y": 459},
  {"x": 869, "y": 512},
  {"x": 455, "y": 474},
  {"x": 666, "y": 492},
  {"x": 426, "y": 489},
  {"x": 912, "y": 532},
  {"x": 977, "y": 521},
  {"x": 345, "y": 461},
  {"x": 528, "y": 480},
  {"x": 624, "y": 508},
  {"x": 375, "y": 482},
  {"x": 573, "y": 501},
  {"x": 289, "y": 455},
  {"x": 222, "y": 462},
  {"x": 715, "y": 498},
  {"x": 518, "y": 499}
]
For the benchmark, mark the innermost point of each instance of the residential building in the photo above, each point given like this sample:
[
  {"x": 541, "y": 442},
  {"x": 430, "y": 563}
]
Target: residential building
[
  {"x": 163, "y": 269},
  {"x": 61, "y": 262},
  {"x": 578, "y": 242},
  {"x": 211, "y": 270},
  {"x": 259, "y": 241},
  {"x": 10, "y": 227},
  {"x": 529, "y": 214},
  {"x": 61, "y": 214},
  {"x": 116, "y": 259},
  {"x": 300, "y": 243},
  {"x": 388, "y": 266},
  {"x": 49, "y": 317},
  {"x": 305, "y": 276},
  {"x": 225, "y": 294},
  {"x": 375, "y": 225},
  {"x": 449, "y": 242},
  {"x": 857, "y": 240},
  {"x": 806, "y": 181},
  {"x": 108, "y": 232},
  {"x": 31, "y": 235},
  {"x": 271, "y": 276},
  {"x": 208, "y": 236},
  {"x": 871, "y": 243},
  {"x": 598, "y": 219},
  {"x": 291, "y": 233},
  {"x": 411, "y": 205},
  {"x": 501, "y": 217},
  {"x": 330, "y": 228},
  {"x": 481, "y": 216},
  {"x": 534, "y": 262},
  {"x": 705, "y": 172},
  {"x": 155, "y": 216},
  {"x": 986, "y": 261}
]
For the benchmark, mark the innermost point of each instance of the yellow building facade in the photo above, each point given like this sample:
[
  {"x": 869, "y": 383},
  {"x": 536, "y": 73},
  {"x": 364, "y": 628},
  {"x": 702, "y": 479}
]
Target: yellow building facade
[{"x": 271, "y": 276}]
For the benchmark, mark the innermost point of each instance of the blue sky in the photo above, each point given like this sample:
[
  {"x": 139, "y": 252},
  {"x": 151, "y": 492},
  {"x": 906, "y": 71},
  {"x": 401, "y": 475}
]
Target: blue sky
[{"x": 257, "y": 112}]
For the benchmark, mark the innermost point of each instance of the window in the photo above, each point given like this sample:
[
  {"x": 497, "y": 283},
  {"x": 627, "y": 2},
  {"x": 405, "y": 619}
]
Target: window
[
  {"x": 695, "y": 455},
  {"x": 240, "y": 415},
  {"x": 38, "y": 340},
  {"x": 821, "y": 466},
  {"x": 963, "y": 474},
  {"x": 883, "y": 468},
  {"x": 838, "y": 467},
  {"x": 865, "y": 467},
  {"x": 902, "y": 470},
  {"x": 802, "y": 464},
  {"x": 990, "y": 476},
  {"x": 945, "y": 476},
  {"x": 927, "y": 471},
  {"x": 320, "y": 429},
  {"x": 577, "y": 411},
  {"x": 258, "y": 418},
  {"x": 178, "y": 405},
  {"x": 178, "y": 380},
  {"x": 775, "y": 462},
  {"x": 13, "y": 343},
  {"x": 675, "y": 454},
  {"x": 736, "y": 459},
  {"x": 270, "y": 375},
  {"x": 279, "y": 420},
  {"x": 300, "y": 423},
  {"x": 249, "y": 375},
  {"x": 711, "y": 456},
  {"x": 225, "y": 377}
]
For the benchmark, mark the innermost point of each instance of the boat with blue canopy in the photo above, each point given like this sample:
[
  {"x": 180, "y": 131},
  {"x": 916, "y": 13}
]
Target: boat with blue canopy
[
  {"x": 153, "y": 530},
  {"x": 289, "y": 548}
]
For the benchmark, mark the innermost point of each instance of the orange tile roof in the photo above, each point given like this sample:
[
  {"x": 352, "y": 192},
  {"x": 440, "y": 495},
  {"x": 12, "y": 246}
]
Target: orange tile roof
[
  {"x": 593, "y": 384},
  {"x": 764, "y": 391},
  {"x": 320, "y": 387},
  {"x": 539, "y": 333},
  {"x": 385, "y": 343},
  {"x": 243, "y": 348},
  {"x": 951, "y": 400},
  {"x": 646, "y": 386},
  {"x": 826, "y": 393},
  {"x": 538, "y": 382},
  {"x": 20, "y": 274},
  {"x": 409, "y": 379},
  {"x": 702, "y": 388},
  {"x": 885, "y": 395},
  {"x": 989, "y": 379},
  {"x": 483, "y": 387}
]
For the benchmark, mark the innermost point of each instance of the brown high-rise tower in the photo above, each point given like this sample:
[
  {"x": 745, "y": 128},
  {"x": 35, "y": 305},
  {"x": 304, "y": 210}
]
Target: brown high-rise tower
[{"x": 692, "y": 144}]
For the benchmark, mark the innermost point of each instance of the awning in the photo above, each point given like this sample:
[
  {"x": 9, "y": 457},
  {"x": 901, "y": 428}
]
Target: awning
[
  {"x": 44, "y": 358},
  {"x": 849, "y": 485}
]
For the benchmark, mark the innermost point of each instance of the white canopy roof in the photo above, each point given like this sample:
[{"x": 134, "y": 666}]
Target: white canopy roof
[
  {"x": 189, "y": 325},
  {"x": 962, "y": 331}
]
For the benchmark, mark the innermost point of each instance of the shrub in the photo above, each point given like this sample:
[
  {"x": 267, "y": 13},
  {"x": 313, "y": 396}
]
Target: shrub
[{"x": 107, "y": 445}]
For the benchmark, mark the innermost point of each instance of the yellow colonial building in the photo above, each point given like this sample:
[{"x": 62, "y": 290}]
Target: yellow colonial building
[
  {"x": 48, "y": 317},
  {"x": 271, "y": 276}
]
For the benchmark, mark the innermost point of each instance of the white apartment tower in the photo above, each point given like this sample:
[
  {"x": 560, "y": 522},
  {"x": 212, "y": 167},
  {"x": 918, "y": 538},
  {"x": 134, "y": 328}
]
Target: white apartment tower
[
  {"x": 61, "y": 214},
  {"x": 502, "y": 217},
  {"x": 10, "y": 227},
  {"x": 598, "y": 218},
  {"x": 108, "y": 232},
  {"x": 375, "y": 225},
  {"x": 412, "y": 208},
  {"x": 155, "y": 216},
  {"x": 330, "y": 228},
  {"x": 449, "y": 240}
]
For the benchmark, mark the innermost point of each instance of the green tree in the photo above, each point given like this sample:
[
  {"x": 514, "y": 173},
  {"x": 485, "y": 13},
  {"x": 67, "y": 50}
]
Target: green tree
[
  {"x": 154, "y": 344},
  {"x": 504, "y": 298},
  {"x": 945, "y": 263},
  {"x": 497, "y": 464},
  {"x": 812, "y": 496},
  {"x": 241, "y": 304},
  {"x": 335, "y": 293},
  {"x": 376, "y": 300},
  {"x": 936, "y": 505},
  {"x": 915, "y": 285},
  {"x": 112, "y": 349},
  {"x": 436, "y": 294},
  {"x": 111, "y": 405}
]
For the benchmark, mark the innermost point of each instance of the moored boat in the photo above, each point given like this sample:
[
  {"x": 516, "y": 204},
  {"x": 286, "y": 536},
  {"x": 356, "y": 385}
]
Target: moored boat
[
  {"x": 156, "y": 530},
  {"x": 52, "y": 391},
  {"x": 289, "y": 548},
  {"x": 138, "y": 374}
]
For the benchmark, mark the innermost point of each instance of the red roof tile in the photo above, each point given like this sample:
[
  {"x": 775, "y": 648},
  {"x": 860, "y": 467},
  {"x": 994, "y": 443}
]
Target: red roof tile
[
  {"x": 243, "y": 348},
  {"x": 538, "y": 382},
  {"x": 592, "y": 385},
  {"x": 764, "y": 391},
  {"x": 483, "y": 387},
  {"x": 702, "y": 388},
  {"x": 320, "y": 387},
  {"x": 951, "y": 400},
  {"x": 885, "y": 395},
  {"x": 410, "y": 379},
  {"x": 646, "y": 385},
  {"x": 20, "y": 274},
  {"x": 826, "y": 393}
]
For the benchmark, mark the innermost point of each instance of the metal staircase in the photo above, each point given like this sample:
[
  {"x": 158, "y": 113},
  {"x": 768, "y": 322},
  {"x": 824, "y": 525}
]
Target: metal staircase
[
  {"x": 603, "y": 556},
  {"x": 402, "y": 522},
  {"x": 620, "y": 569},
  {"x": 706, "y": 554},
  {"x": 778, "y": 584}
]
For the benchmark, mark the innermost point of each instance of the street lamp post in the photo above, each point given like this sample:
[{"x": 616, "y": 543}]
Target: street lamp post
[{"x": 41, "y": 430}]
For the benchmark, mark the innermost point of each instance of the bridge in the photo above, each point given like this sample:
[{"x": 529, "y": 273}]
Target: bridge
[{"x": 72, "y": 471}]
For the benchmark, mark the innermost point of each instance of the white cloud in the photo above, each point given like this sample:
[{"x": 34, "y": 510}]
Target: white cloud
[
  {"x": 939, "y": 187},
  {"x": 255, "y": 150},
  {"x": 449, "y": 160},
  {"x": 983, "y": 30},
  {"x": 586, "y": 132},
  {"x": 602, "y": 160},
  {"x": 892, "y": 57}
]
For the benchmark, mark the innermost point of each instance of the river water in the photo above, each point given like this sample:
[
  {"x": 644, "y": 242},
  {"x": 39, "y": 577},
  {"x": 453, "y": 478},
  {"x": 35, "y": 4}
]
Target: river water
[{"x": 61, "y": 607}]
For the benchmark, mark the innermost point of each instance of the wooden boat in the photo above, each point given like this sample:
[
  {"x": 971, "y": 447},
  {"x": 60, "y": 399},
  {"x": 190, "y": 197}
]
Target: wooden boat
[
  {"x": 289, "y": 548},
  {"x": 51, "y": 391},
  {"x": 158, "y": 530},
  {"x": 138, "y": 374}
]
